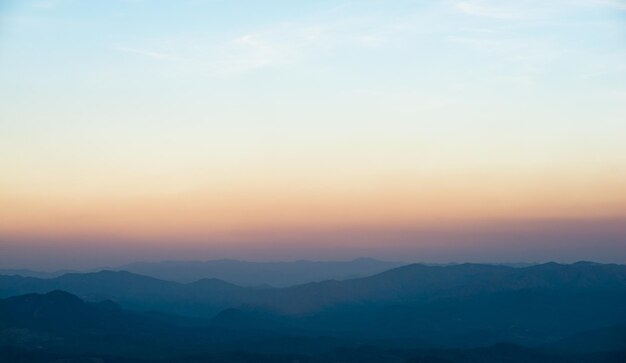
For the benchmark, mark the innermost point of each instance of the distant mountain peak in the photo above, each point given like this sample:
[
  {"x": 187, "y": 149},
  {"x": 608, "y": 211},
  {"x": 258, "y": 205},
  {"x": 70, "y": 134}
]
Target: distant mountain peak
[{"x": 213, "y": 282}]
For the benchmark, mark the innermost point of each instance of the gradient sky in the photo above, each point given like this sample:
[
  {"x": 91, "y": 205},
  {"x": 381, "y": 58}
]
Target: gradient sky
[{"x": 413, "y": 130}]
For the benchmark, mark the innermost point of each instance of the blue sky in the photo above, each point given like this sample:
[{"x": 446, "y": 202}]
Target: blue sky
[{"x": 318, "y": 65}]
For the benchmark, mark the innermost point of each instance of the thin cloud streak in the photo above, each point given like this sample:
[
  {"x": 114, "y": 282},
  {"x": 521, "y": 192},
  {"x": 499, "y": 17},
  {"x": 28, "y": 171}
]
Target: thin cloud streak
[
  {"x": 149, "y": 53},
  {"x": 480, "y": 9}
]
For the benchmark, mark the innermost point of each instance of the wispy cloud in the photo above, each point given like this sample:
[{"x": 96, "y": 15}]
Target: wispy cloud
[
  {"x": 249, "y": 52},
  {"x": 616, "y": 4},
  {"x": 45, "y": 4},
  {"x": 322, "y": 36},
  {"x": 527, "y": 9},
  {"x": 272, "y": 46},
  {"x": 149, "y": 53},
  {"x": 480, "y": 8}
]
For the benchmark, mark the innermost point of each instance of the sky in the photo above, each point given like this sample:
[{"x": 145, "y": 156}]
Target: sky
[{"x": 274, "y": 130}]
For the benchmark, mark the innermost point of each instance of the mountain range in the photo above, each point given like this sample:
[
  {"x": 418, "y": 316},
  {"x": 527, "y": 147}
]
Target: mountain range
[
  {"x": 461, "y": 305},
  {"x": 260, "y": 274},
  {"x": 243, "y": 273},
  {"x": 60, "y": 327}
]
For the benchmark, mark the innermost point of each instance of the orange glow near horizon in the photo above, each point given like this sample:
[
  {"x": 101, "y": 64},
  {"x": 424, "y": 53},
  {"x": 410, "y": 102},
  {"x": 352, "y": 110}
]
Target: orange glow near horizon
[{"x": 272, "y": 206}]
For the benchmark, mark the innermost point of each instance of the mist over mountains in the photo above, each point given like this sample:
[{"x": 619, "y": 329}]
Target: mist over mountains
[
  {"x": 247, "y": 273},
  {"x": 243, "y": 273}
]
